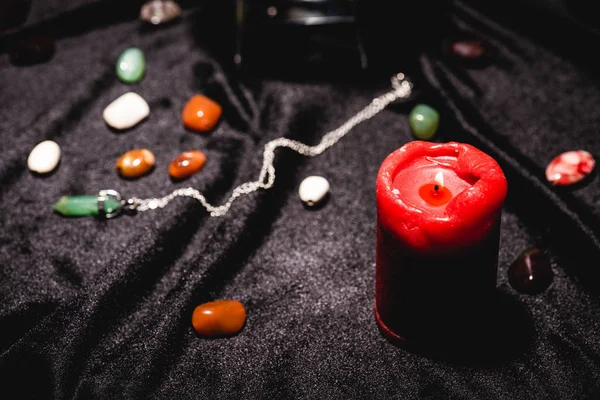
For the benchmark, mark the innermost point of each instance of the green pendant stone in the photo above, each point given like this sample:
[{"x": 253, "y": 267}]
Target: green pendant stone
[
  {"x": 424, "y": 121},
  {"x": 81, "y": 206},
  {"x": 131, "y": 65}
]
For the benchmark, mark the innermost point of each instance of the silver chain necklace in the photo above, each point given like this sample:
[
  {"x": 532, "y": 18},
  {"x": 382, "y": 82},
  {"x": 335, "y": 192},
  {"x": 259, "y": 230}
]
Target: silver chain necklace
[{"x": 402, "y": 88}]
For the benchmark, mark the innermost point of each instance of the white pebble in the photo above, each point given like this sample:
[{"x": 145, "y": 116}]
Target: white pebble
[
  {"x": 44, "y": 157},
  {"x": 313, "y": 190},
  {"x": 126, "y": 111}
]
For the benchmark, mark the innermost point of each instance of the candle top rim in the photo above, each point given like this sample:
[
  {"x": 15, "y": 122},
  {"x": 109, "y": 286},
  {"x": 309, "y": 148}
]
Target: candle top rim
[{"x": 467, "y": 211}]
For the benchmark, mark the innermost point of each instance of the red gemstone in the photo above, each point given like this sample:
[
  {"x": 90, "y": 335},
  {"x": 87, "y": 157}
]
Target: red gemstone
[
  {"x": 201, "y": 113},
  {"x": 531, "y": 272},
  {"x": 219, "y": 318},
  {"x": 186, "y": 164},
  {"x": 570, "y": 167}
]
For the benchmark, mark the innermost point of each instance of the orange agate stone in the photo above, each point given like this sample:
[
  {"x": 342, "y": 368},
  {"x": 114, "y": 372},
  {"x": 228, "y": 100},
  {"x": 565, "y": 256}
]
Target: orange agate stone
[
  {"x": 201, "y": 113},
  {"x": 186, "y": 164},
  {"x": 219, "y": 318},
  {"x": 135, "y": 163}
]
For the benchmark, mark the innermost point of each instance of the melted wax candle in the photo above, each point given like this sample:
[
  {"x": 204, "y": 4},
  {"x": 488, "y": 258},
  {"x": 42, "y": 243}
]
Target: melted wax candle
[{"x": 438, "y": 224}]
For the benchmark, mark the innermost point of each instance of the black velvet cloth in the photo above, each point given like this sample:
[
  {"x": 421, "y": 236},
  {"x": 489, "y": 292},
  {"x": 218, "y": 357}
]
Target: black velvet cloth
[{"x": 95, "y": 309}]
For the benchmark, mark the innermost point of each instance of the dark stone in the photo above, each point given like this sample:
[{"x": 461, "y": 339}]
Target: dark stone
[
  {"x": 531, "y": 272},
  {"x": 32, "y": 50}
]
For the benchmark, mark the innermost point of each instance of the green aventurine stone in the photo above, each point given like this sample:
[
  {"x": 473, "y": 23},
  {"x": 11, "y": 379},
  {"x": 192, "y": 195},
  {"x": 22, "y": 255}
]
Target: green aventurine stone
[
  {"x": 424, "y": 121},
  {"x": 81, "y": 206},
  {"x": 131, "y": 65}
]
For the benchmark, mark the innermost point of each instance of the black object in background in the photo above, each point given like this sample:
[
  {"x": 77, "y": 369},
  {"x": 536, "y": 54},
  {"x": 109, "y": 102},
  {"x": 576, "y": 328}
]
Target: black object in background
[
  {"x": 305, "y": 37},
  {"x": 394, "y": 33},
  {"x": 333, "y": 37}
]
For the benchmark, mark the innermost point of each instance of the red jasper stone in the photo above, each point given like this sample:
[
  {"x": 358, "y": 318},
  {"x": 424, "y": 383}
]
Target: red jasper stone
[
  {"x": 531, "y": 272},
  {"x": 186, "y": 164},
  {"x": 219, "y": 318},
  {"x": 570, "y": 167},
  {"x": 201, "y": 113}
]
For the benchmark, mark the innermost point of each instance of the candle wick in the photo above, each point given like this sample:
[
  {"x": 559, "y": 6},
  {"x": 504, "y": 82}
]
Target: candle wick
[{"x": 436, "y": 187}]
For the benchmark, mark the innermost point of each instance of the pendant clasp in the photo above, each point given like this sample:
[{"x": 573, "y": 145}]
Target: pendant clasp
[{"x": 105, "y": 209}]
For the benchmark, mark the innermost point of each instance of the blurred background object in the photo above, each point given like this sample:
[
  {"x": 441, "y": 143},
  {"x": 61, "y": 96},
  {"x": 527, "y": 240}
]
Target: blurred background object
[
  {"x": 333, "y": 36},
  {"x": 158, "y": 12},
  {"x": 285, "y": 36}
]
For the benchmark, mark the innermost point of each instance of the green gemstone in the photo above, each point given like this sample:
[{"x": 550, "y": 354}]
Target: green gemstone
[
  {"x": 131, "y": 65},
  {"x": 81, "y": 206},
  {"x": 424, "y": 121}
]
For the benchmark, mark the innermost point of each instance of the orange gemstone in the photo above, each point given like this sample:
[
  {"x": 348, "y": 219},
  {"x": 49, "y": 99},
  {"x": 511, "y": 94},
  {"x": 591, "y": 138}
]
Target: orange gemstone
[
  {"x": 135, "y": 163},
  {"x": 219, "y": 318},
  {"x": 201, "y": 113},
  {"x": 186, "y": 164}
]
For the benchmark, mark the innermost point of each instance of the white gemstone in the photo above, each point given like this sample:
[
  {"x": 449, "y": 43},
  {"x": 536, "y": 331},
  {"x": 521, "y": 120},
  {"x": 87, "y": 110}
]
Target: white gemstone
[
  {"x": 126, "y": 111},
  {"x": 313, "y": 190},
  {"x": 44, "y": 157}
]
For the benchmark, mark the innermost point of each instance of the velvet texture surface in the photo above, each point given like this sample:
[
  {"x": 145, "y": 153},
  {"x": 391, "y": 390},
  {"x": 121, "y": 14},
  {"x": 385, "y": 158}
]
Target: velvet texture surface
[{"x": 93, "y": 309}]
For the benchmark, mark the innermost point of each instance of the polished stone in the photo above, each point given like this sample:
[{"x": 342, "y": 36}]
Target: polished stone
[
  {"x": 313, "y": 190},
  {"x": 570, "y": 167},
  {"x": 187, "y": 164},
  {"x": 135, "y": 163},
  {"x": 32, "y": 50},
  {"x": 81, "y": 206},
  {"x": 131, "y": 65},
  {"x": 531, "y": 272},
  {"x": 158, "y": 12},
  {"x": 219, "y": 318},
  {"x": 201, "y": 113},
  {"x": 468, "y": 50},
  {"x": 126, "y": 111},
  {"x": 424, "y": 121},
  {"x": 44, "y": 157}
]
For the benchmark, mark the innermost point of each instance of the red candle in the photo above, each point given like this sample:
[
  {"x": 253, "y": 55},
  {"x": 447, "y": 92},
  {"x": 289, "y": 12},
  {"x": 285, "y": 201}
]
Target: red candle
[{"x": 438, "y": 225}]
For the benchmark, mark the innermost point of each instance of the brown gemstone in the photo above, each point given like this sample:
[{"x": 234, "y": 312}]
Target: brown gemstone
[
  {"x": 135, "y": 163},
  {"x": 570, "y": 167},
  {"x": 201, "y": 113},
  {"x": 219, "y": 318},
  {"x": 531, "y": 272},
  {"x": 186, "y": 164}
]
